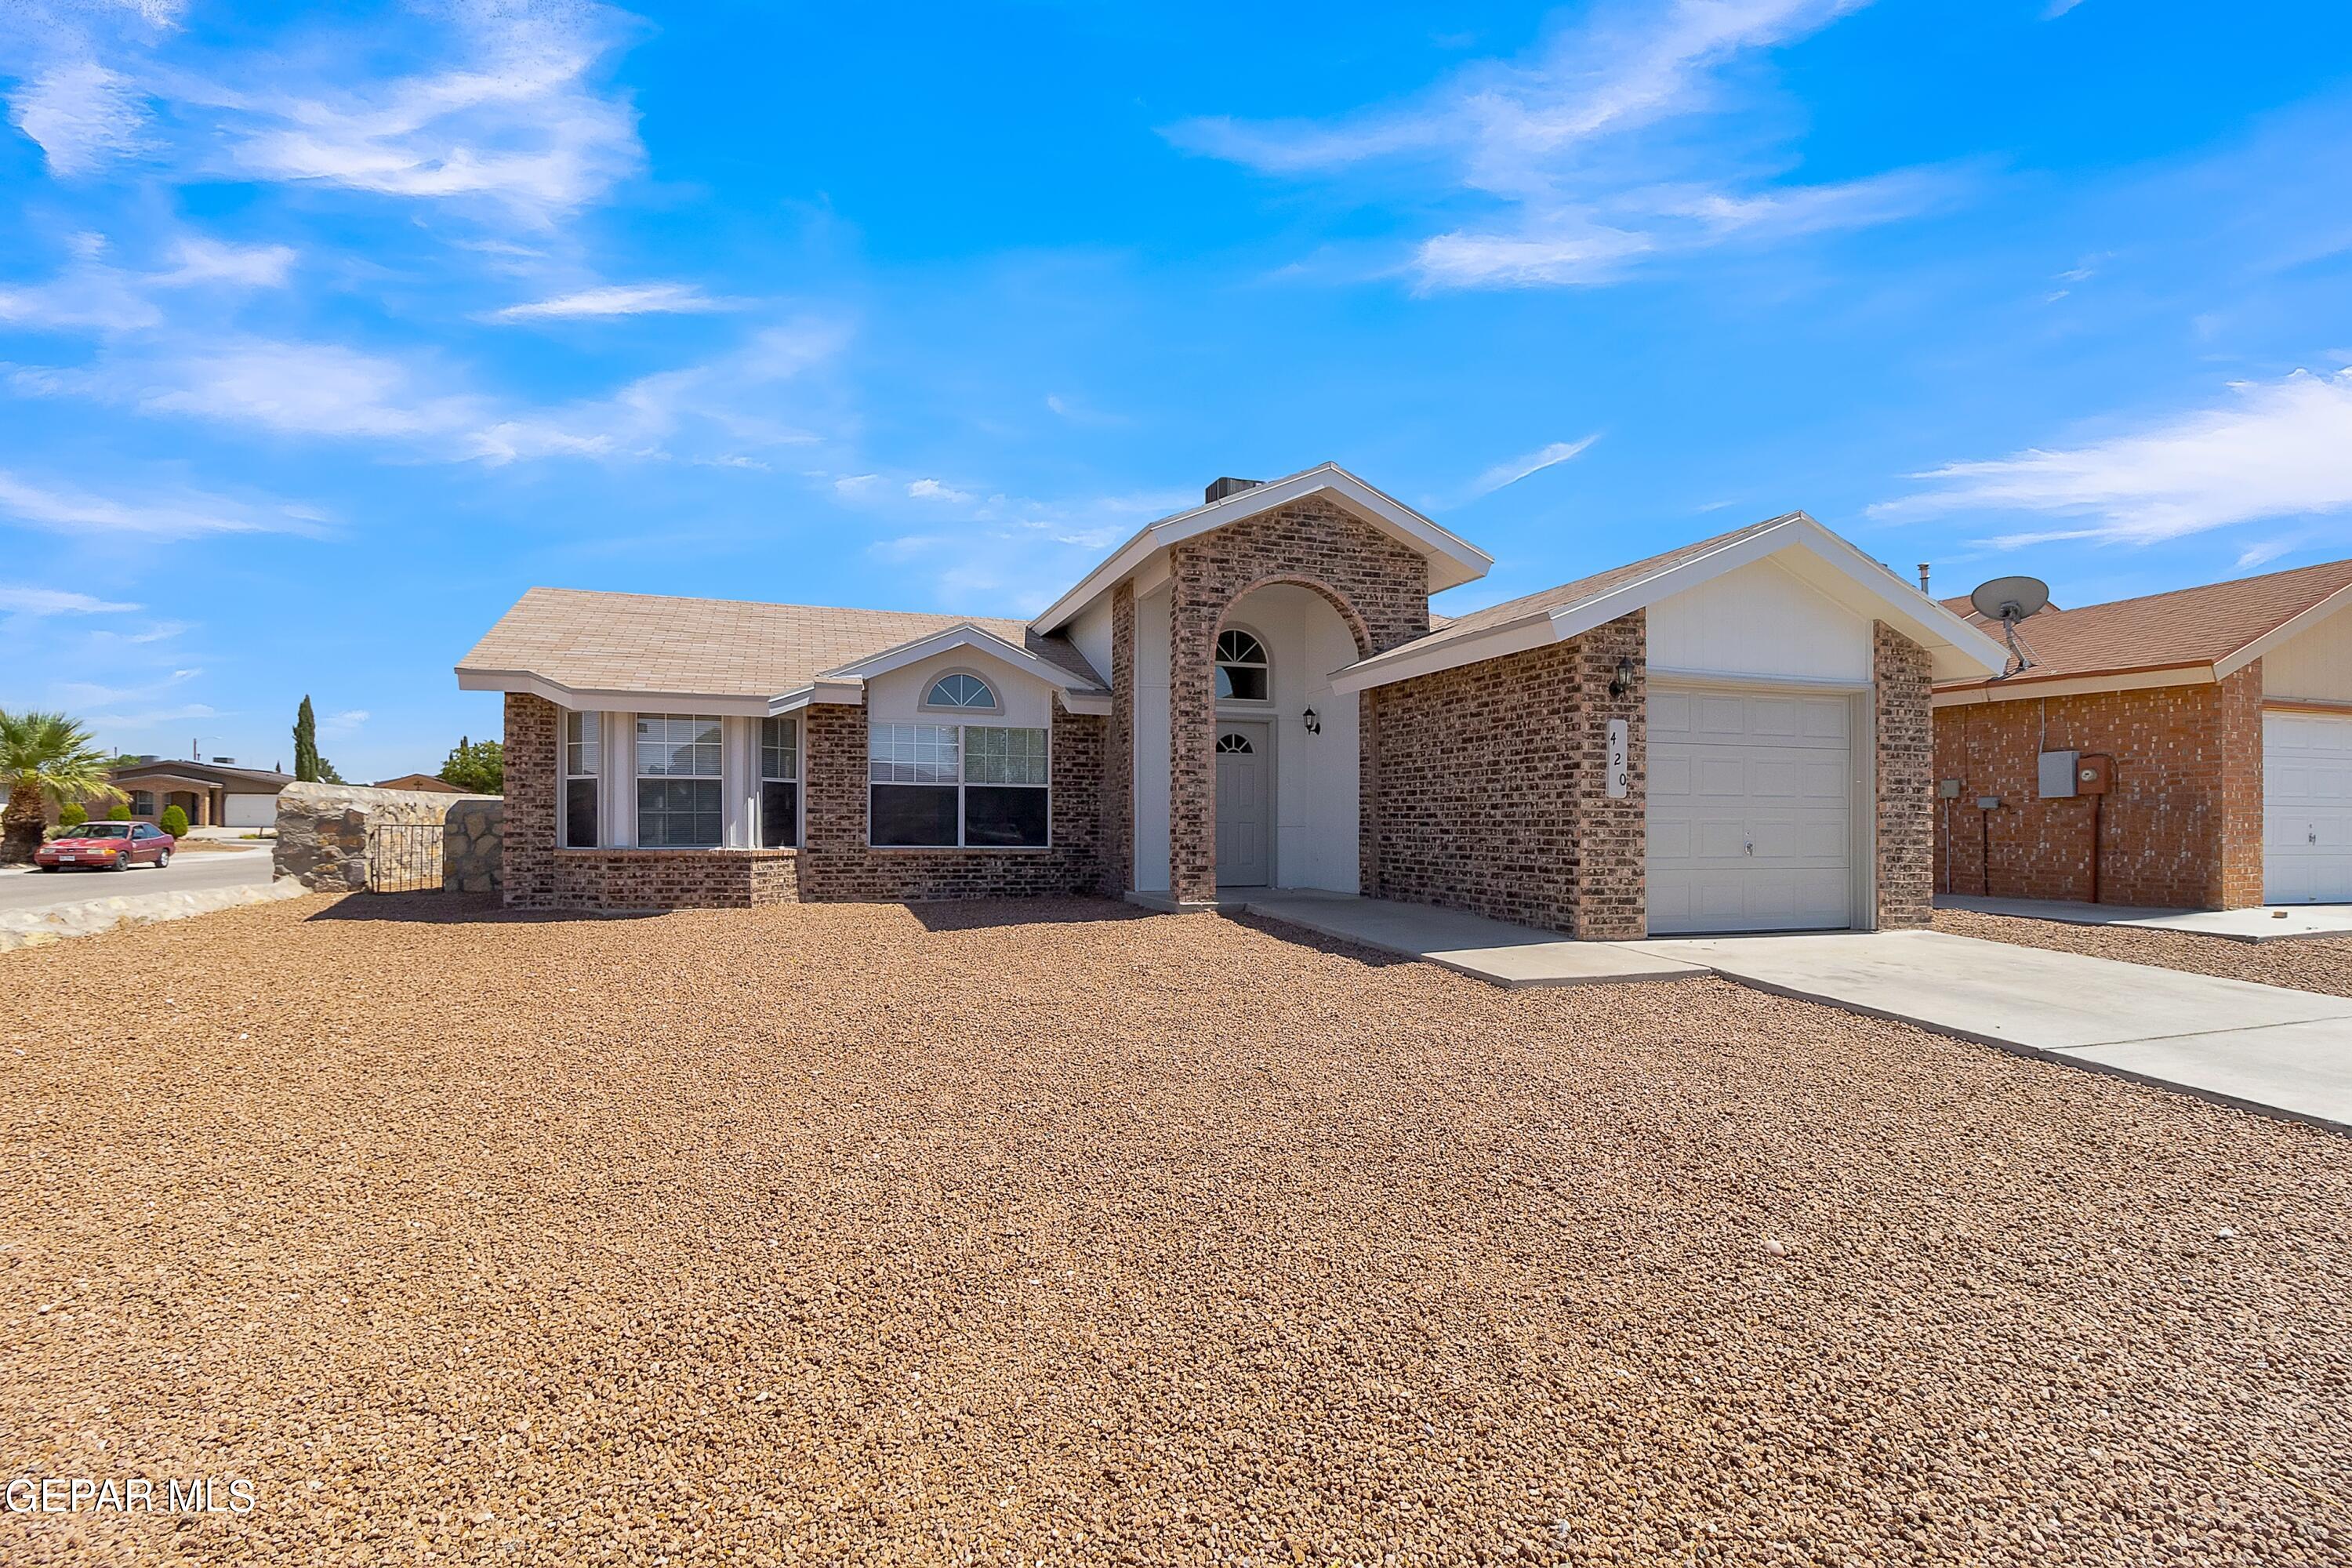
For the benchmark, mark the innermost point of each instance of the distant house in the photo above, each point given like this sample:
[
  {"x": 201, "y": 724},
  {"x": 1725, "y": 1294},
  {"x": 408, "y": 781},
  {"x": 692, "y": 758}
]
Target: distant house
[
  {"x": 420, "y": 781},
  {"x": 217, "y": 794}
]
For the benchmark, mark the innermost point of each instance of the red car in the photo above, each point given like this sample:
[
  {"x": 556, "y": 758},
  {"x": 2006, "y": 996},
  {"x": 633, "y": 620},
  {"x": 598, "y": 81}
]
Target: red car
[{"x": 115, "y": 846}]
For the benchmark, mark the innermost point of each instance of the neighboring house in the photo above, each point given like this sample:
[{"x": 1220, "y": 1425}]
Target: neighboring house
[
  {"x": 217, "y": 794},
  {"x": 1734, "y": 735},
  {"x": 2227, "y": 712},
  {"x": 425, "y": 782}
]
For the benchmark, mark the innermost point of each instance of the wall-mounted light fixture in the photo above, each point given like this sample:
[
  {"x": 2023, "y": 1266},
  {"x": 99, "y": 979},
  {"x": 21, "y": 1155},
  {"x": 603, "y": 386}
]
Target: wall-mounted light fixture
[
  {"x": 1313, "y": 724},
  {"x": 1622, "y": 681}
]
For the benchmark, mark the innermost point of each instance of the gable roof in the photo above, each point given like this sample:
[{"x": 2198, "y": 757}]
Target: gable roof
[
  {"x": 1555, "y": 614},
  {"x": 1453, "y": 560},
  {"x": 2217, "y": 626},
  {"x": 574, "y": 646}
]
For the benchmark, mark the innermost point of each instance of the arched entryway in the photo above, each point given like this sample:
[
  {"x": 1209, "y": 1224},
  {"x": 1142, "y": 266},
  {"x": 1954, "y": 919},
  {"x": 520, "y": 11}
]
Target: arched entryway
[{"x": 1283, "y": 753}]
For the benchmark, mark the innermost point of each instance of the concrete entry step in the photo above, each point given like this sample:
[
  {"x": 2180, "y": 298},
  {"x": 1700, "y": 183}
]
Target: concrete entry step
[{"x": 2276, "y": 922}]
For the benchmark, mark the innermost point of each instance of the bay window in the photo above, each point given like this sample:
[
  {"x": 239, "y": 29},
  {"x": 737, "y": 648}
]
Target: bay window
[
  {"x": 678, "y": 781},
  {"x": 780, "y": 787},
  {"x": 582, "y": 762},
  {"x": 946, "y": 786}
]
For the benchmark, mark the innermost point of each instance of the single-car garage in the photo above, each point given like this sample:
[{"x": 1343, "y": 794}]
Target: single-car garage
[
  {"x": 2306, "y": 808},
  {"x": 1751, "y": 810}
]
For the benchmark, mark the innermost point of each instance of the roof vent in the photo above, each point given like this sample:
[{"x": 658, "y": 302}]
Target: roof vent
[
  {"x": 224, "y": 762},
  {"x": 1219, "y": 489},
  {"x": 149, "y": 757}
]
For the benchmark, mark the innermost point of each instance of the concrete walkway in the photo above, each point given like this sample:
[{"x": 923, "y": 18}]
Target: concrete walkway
[
  {"x": 2280, "y": 924},
  {"x": 1508, "y": 955},
  {"x": 2286, "y": 1053},
  {"x": 2261, "y": 1046}
]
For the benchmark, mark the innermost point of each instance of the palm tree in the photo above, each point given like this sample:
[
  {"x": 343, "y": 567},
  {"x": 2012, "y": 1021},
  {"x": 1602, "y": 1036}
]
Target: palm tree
[{"x": 45, "y": 754}]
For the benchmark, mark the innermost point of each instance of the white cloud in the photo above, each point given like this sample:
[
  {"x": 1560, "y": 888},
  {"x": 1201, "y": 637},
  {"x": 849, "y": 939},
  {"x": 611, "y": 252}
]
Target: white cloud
[
  {"x": 2276, "y": 450},
  {"x": 142, "y": 719},
  {"x": 349, "y": 719},
  {"x": 618, "y": 299},
  {"x": 18, "y": 600},
  {"x": 91, "y": 293},
  {"x": 855, "y": 484},
  {"x": 198, "y": 260},
  {"x": 1590, "y": 149},
  {"x": 518, "y": 125},
  {"x": 1535, "y": 462},
  {"x": 932, "y": 489},
  {"x": 82, "y": 114},
  {"x": 181, "y": 514},
  {"x": 2058, "y": 8},
  {"x": 1016, "y": 553}
]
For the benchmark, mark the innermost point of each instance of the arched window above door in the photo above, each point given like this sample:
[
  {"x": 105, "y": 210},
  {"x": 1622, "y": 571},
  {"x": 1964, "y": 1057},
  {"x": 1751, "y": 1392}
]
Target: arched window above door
[
  {"x": 1232, "y": 744},
  {"x": 1244, "y": 672}
]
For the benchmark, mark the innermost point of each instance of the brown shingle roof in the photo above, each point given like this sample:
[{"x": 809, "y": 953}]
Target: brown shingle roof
[
  {"x": 650, "y": 642},
  {"x": 1529, "y": 607},
  {"x": 2186, "y": 627}
]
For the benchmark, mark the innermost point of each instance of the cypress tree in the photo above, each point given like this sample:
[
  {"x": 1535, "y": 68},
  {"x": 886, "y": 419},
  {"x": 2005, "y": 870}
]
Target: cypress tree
[{"x": 306, "y": 742}]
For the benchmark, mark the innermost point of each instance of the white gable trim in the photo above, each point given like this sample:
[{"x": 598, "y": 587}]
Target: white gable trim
[
  {"x": 966, "y": 635},
  {"x": 2292, "y": 626},
  {"x": 1892, "y": 600},
  {"x": 1453, "y": 560}
]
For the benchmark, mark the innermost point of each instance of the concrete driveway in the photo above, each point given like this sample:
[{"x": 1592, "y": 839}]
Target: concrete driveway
[
  {"x": 2286, "y": 1052},
  {"x": 198, "y": 872}
]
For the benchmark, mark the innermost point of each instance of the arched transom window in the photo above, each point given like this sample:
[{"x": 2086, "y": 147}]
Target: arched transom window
[
  {"x": 1235, "y": 745},
  {"x": 961, "y": 690},
  {"x": 1242, "y": 674}
]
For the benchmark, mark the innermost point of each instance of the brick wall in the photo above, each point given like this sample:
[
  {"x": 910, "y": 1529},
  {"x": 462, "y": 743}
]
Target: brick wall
[
  {"x": 1380, "y": 587},
  {"x": 1901, "y": 684},
  {"x": 2182, "y": 828},
  {"x": 1492, "y": 788},
  {"x": 839, "y": 866},
  {"x": 672, "y": 878},
  {"x": 1118, "y": 758},
  {"x": 532, "y": 724}
]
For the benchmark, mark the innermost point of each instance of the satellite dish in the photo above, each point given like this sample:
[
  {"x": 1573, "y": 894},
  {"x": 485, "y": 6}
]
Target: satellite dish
[
  {"x": 2012, "y": 598},
  {"x": 2009, "y": 600}
]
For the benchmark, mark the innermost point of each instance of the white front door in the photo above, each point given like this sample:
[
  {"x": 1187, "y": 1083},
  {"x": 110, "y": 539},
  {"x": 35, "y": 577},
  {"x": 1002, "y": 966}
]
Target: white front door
[
  {"x": 1749, "y": 824},
  {"x": 1244, "y": 794},
  {"x": 2306, "y": 808}
]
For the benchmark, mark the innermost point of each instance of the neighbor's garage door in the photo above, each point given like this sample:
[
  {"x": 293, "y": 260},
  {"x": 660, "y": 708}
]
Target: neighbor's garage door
[
  {"x": 1749, "y": 799},
  {"x": 2306, "y": 808},
  {"x": 249, "y": 810}
]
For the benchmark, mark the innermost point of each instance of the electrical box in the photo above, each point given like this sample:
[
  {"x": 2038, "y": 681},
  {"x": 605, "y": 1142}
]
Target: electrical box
[
  {"x": 1987, "y": 803},
  {"x": 2058, "y": 775},
  {"x": 2095, "y": 775},
  {"x": 1948, "y": 788}
]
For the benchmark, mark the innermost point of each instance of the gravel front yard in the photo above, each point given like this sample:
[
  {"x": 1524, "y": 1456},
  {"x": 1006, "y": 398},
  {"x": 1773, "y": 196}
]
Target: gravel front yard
[
  {"x": 1063, "y": 1233},
  {"x": 2317, "y": 964}
]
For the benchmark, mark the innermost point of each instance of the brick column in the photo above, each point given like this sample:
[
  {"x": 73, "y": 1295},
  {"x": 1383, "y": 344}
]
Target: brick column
[
  {"x": 1118, "y": 761},
  {"x": 1608, "y": 886},
  {"x": 1906, "y": 770},
  {"x": 2234, "y": 880},
  {"x": 532, "y": 744}
]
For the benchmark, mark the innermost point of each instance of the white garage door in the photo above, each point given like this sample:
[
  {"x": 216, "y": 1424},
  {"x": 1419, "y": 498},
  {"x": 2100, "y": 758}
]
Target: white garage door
[
  {"x": 2306, "y": 808},
  {"x": 1748, "y": 803},
  {"x": 249, "y": 811}
]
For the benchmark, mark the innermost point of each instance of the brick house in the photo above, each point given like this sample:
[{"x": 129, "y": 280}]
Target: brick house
[
  {"x": 217, "y": 794},
  {"x": 1733, "y": 735},
  {"x": 2220, "y": 719}
]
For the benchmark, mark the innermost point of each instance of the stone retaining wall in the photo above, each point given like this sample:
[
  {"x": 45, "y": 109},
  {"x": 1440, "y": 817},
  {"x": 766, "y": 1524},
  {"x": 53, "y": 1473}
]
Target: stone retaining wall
[{"x": 323, "y": 834}]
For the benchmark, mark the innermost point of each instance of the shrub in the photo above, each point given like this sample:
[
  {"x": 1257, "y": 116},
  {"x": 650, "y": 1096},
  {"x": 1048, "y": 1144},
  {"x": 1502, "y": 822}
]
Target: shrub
[
  {"x": 122, "y": 812},
  {"x": 174, "y": 822},
  {"x": 73, "y": 814}
]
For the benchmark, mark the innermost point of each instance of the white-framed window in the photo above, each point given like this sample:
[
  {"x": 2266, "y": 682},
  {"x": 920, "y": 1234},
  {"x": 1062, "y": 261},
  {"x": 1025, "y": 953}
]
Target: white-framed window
[
  {"x": 780, "y": 782},
  {"x": 962, "y": 690},
  {"x": 948, "y": 786},
  {"x": 143, "y": 803},
  {"x": 678, "y": 781},
  {"x": 583, "y": 746},
  {"x": 1245, "y": 674}
]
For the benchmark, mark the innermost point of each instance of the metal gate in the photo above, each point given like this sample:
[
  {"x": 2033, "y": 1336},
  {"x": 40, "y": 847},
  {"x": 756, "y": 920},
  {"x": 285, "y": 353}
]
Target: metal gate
[{"x": 404, "y": 856}]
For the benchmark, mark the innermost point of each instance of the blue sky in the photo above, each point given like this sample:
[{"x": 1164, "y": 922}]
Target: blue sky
[{"x": 325, "y": 332}]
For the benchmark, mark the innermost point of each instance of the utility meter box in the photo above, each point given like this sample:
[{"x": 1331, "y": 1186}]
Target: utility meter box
[
  {"x": 2058, "y": 775},
  {"x": 2096, "y": 774},
  {"x": 1948, "y": 788}
]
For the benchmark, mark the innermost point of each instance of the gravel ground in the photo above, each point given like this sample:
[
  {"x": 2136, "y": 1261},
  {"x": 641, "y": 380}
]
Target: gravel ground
[
  {"x": 2311, "y": 964},
  {"x": 1061, "y": 1233}
]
